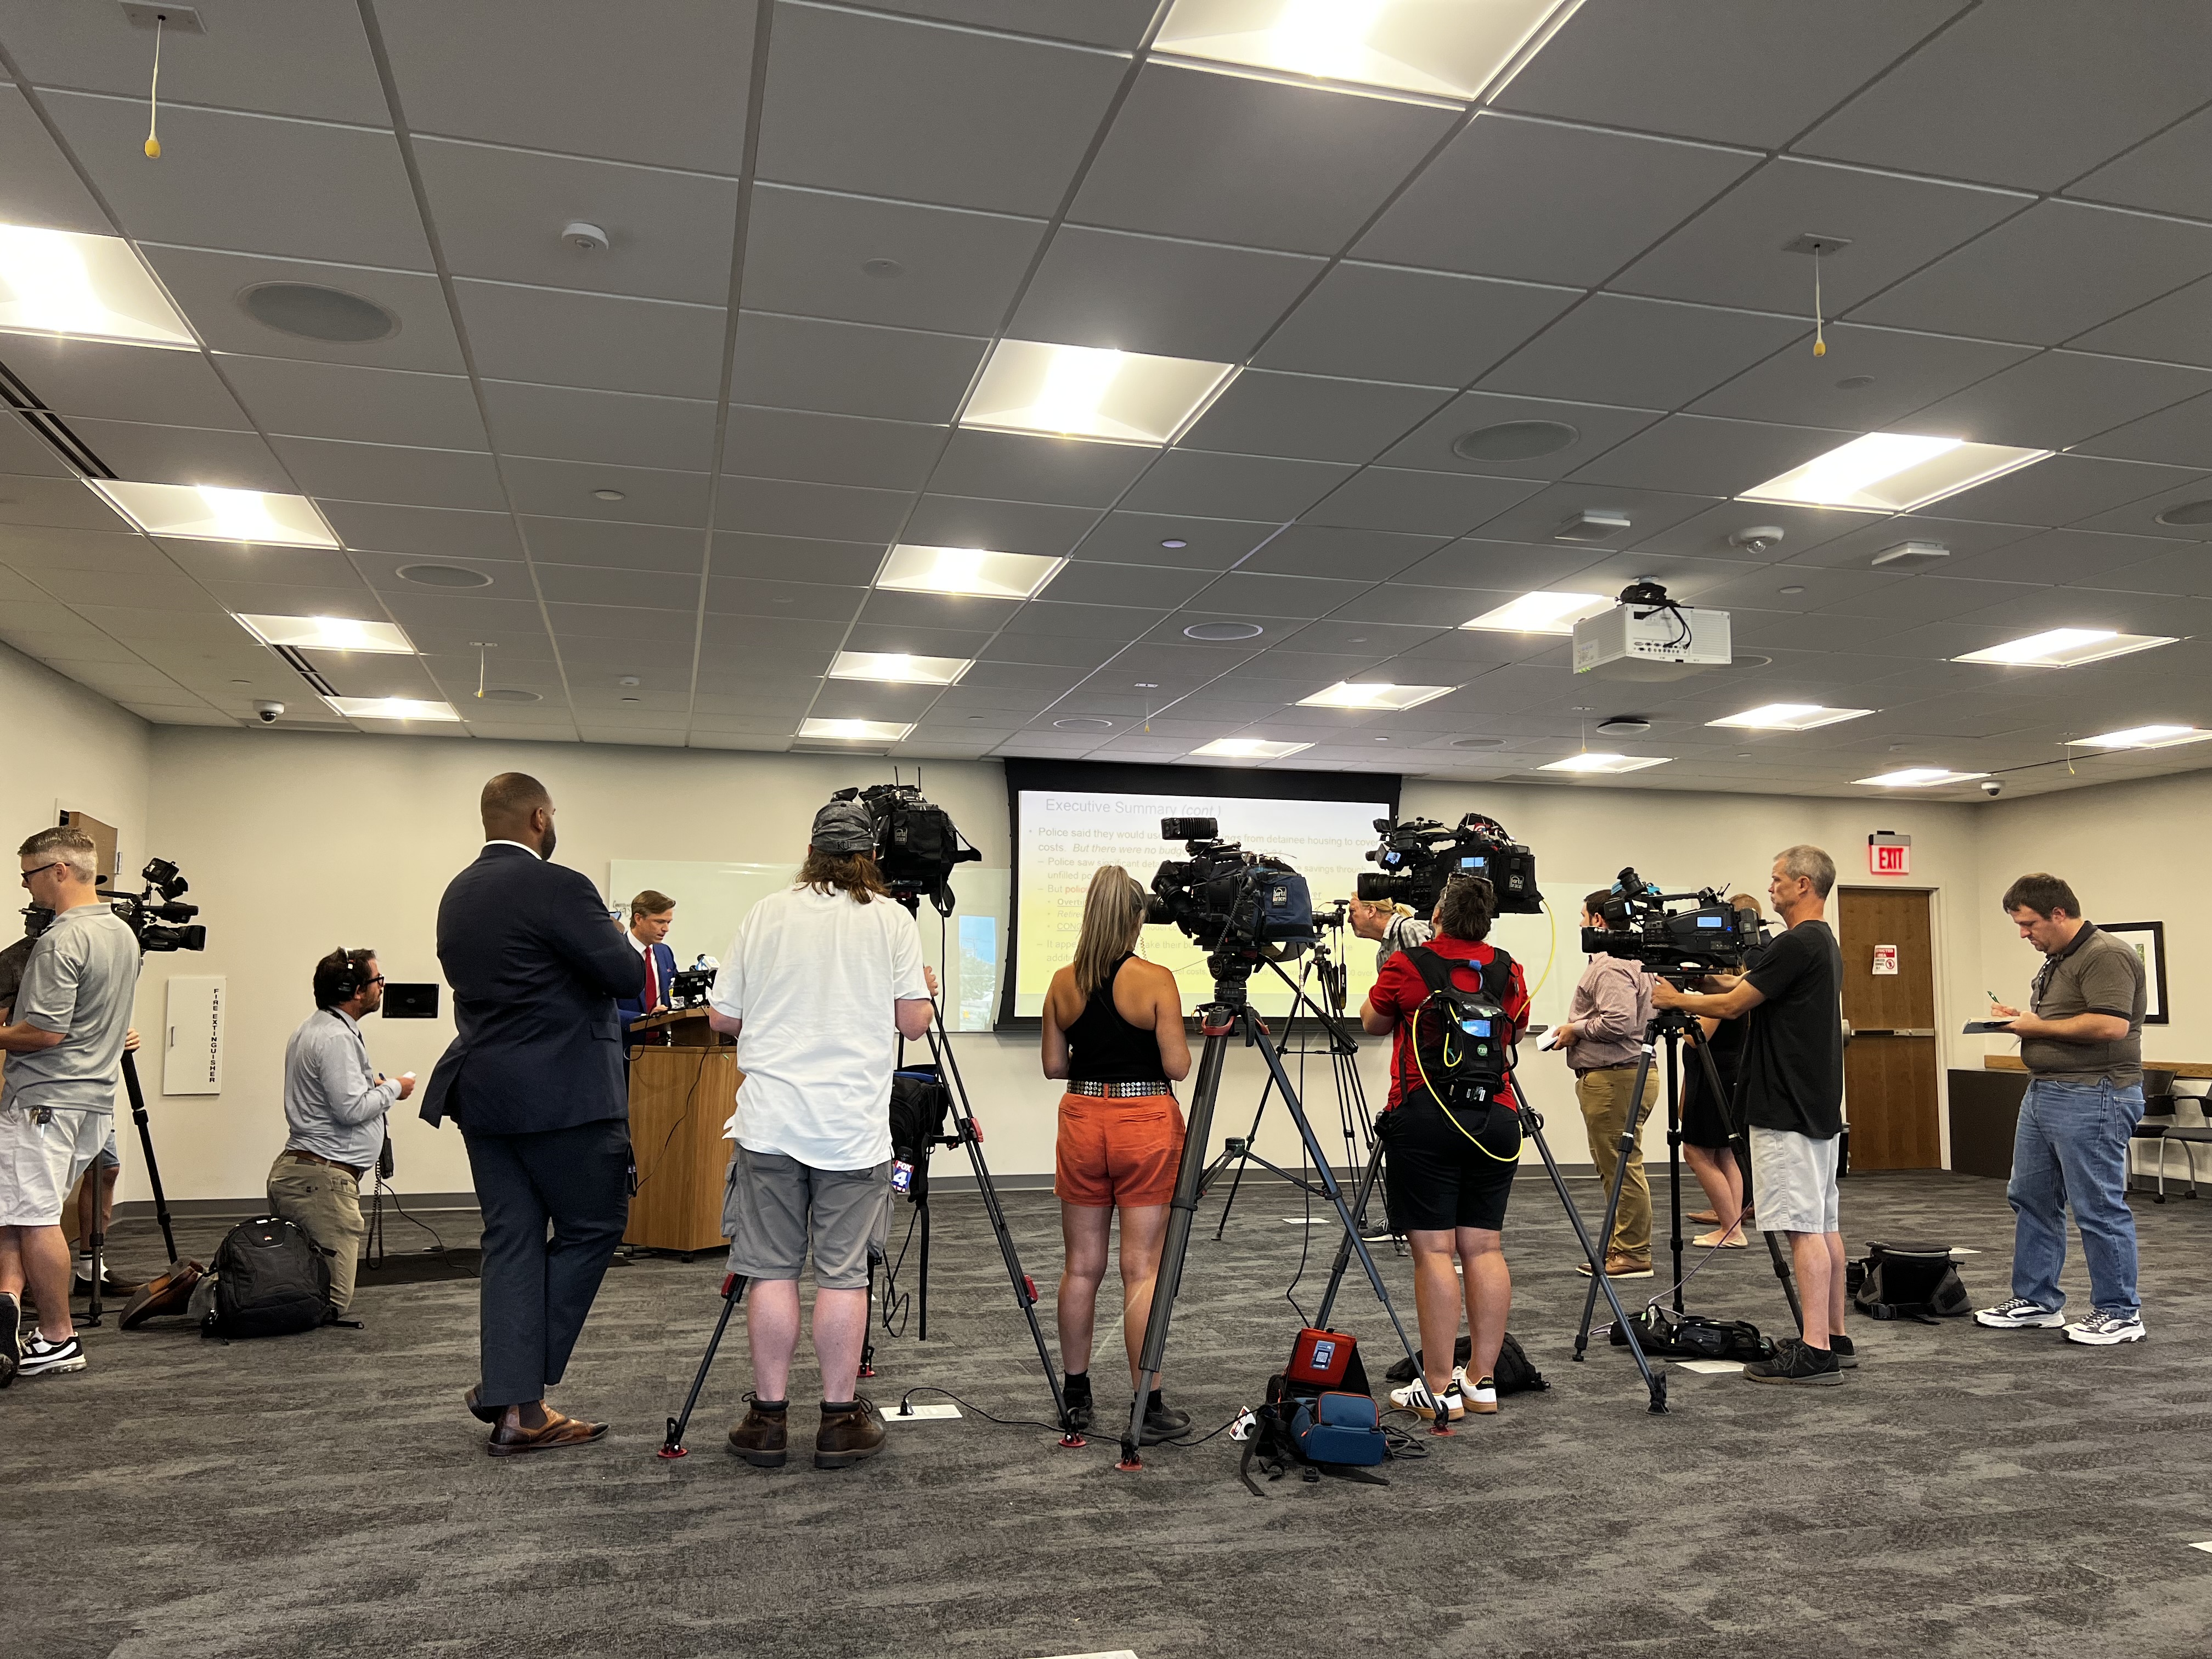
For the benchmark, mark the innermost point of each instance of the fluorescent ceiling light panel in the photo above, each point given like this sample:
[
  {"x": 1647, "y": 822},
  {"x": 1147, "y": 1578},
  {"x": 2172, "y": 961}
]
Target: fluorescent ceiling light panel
[
  {"x": 1247, "y": 749},
  {"x": 856, "y": 731},
  {"x": 1542, "y": 613},
  {"x": 898, "y": 668},
  {"x": 330, "y": 633},
  {"x": 1789, "y": 717},
  {"x": 1358, "y": 694},
  {"x": 392, "y": 708},
  {"x": 2144, "y": 737},
  {"x": 2066, "y": 647},
  {"x": 86, "y": 287},
  {"x": 1087, "y": 392},
  {"x": 1438, "y": 48},
  {"x": 1892, "y": 472},
  {"x": 1605, "y": 763},
  {"x": 967, "y": 570},
  {"x": 208, "y": 512},
  {"x": 1920, "y": 777}
]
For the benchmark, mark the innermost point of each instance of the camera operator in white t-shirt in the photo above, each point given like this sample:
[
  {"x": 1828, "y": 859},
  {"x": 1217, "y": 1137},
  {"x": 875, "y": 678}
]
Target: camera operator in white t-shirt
[{"x": 820, "y": 982}]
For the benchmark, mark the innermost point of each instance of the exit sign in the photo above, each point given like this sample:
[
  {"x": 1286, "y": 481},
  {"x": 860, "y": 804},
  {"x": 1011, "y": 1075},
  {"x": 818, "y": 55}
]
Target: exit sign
[{"x": 1888, "y": 854}]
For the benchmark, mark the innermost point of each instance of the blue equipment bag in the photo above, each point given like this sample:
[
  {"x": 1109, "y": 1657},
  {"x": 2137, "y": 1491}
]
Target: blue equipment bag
[{"x": 1342, "y": 1429}]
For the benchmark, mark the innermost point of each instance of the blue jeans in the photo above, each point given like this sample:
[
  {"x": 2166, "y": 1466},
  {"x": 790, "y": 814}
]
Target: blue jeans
[{"x": 2072, "y": 1143}]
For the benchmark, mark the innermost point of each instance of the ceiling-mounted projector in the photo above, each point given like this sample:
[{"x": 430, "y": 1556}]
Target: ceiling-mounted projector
[{"x": 1647, "y": 637}]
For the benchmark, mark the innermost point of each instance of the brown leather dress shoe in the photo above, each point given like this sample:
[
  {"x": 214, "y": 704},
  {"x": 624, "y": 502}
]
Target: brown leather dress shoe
[
  {"x": 554, "y": 1433},
  {"x": 477, "y": 1409},
  {"x": 848, "y": 1437},
  {"x": 763, "y": 1438}
]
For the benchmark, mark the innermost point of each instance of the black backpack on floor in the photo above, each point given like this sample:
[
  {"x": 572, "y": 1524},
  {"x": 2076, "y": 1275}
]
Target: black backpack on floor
[
  {"x": 270, "y": 1279},
  {"x": 1516, "y": 1374},
  {"x": 1662, "y": 1332},
  {"x": 1909, "y": 1281}
]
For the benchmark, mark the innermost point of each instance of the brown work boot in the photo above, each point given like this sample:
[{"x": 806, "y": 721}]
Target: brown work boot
[
  {"x": 849, "y": 1435},
  {"x": 762, "y": 1439}
]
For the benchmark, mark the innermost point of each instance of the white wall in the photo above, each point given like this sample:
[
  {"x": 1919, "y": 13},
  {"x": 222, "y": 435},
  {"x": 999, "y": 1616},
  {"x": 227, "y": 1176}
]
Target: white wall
[{"x": 70, "y": 747}]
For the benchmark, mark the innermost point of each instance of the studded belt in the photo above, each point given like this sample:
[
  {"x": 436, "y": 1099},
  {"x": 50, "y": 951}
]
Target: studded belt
[{"x": 1122, "y": 1090}]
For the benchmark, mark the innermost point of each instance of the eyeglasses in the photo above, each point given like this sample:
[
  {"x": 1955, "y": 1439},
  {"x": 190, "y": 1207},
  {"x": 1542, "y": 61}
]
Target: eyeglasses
[
  {"x": 366, "y": 984},
  {"x": 40, "y": 870}
]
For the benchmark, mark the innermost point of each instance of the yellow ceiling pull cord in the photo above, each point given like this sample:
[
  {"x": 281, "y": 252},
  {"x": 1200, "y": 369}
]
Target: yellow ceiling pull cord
[
  {"x": 1819, "y": 341},
  {"x": 482, "y": 646},
  {"x": 153, "y": 97}
]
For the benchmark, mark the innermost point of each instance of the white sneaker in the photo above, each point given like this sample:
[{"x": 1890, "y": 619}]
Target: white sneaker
[
  {"x": 40, "y": 1356},
  {"x": 2019, "y": 1314},
  {"x": 1416, "y": 1397},
  {"x": 1480, "y": 1392},
  {"x": 2102, "y": 1330}
]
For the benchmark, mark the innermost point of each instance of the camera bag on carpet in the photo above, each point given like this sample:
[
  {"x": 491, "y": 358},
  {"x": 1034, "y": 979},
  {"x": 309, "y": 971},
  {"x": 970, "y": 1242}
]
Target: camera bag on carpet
[
  {"x": 1516, "y": 1373},
  {"x": 919, "y": 1101},
  {"x": 1660, "y": 1330},
  {"x": 1319, "y": 1417},
  {"x": 1909, "y": 1281},
  {"x": 269, "y": 1280}
]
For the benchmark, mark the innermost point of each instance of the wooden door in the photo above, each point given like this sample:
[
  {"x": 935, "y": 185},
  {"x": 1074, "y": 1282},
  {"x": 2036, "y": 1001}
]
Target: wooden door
[{"x": 1889, "y": 1069}]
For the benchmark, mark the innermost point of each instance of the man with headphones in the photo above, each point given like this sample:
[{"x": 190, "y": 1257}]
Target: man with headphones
[{"x": 334, "y": 1103}]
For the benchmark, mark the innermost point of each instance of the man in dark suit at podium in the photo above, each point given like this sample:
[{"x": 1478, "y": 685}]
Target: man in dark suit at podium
[
  {"x": 534, "y": 1077},
  {"x": 651, "y": 915}
]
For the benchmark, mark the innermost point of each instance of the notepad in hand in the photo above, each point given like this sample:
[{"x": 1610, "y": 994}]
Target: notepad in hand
[{"x": 1990, "y": 1028}]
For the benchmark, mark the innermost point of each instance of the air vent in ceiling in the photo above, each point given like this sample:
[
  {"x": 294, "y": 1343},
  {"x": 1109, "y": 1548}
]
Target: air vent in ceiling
[
  {"x": 1478, "y": 742},
  {"x": 509, "y": 694},
  {"x": 1218, "y": 631},
  {"x": 1083, "y": 723},
  {"x": 444, "y": 575},
  {"x": 1913, "y": 555},
  {"x": 1623, "y": 726},
  {"x": 1595, "y": 526},
  {"x": 2187, "y": 512},
  {"x": 1514, "y": 440},
  {"x": 309, "y": 311}
]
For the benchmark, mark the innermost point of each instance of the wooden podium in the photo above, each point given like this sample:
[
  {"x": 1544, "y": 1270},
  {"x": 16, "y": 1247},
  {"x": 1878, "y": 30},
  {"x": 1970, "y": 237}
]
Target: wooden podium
[{"x": 680, "y": 1097}]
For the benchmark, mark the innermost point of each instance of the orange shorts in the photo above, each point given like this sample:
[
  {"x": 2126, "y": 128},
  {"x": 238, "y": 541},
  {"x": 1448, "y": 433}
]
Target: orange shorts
[{"x": 1117, "y": 1152}]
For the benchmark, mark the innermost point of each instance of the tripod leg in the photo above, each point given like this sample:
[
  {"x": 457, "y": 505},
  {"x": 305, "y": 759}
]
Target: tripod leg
[
  {"x": 733, "y": 1287},
  {"x": 1789, "y": 1284},
  {"x": 1675, "y": 1160},
  {"x": 1613, "y": 1199},
  {"x": 1344, "y": 1245},
  {"x": 1655, "y": 1382},
  {"x": 1250, "y": 1141},
  {"x": 921, "y": 1274},
  {"x": 146, "y": 1142}
]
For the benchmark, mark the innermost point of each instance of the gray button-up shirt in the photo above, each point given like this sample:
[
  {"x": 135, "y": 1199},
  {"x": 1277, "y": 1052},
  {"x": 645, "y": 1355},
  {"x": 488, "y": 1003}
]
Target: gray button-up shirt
[
  {"x": 1610, "y": 1007},
  {"x": 333, "y": 1100}
]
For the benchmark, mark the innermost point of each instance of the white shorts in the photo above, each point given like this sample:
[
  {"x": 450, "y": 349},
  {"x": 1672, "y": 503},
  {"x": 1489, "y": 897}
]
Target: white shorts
[
  {"x": 1793, "y": 1183},
  {"x": 40, "y": 1163}
]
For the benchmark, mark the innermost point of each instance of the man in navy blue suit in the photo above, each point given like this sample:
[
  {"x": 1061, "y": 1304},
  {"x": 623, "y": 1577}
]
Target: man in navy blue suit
[
  {"x": 534, "y": 1077},
  {"x": 651, "y": 915}
]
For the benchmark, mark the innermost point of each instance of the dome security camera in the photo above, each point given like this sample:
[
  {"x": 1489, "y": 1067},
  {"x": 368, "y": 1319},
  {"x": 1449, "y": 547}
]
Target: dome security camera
[
  {"x": 583, "y": 238},
  {"x": 1758, "y": 539},
  {"x": 1993, "y": 786},
  {"x": 268, "y": 711}
]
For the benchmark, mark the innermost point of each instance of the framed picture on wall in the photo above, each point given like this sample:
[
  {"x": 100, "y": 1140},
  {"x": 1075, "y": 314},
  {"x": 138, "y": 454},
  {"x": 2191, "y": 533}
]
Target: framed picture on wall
[{"x": 2148, "y": 940}]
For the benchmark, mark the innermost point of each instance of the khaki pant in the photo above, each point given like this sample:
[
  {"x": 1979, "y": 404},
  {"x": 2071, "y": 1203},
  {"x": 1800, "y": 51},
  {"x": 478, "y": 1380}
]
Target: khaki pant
[
  {"x": 1603, "y": 1096},
  {"x": 324, "y": 1203}
]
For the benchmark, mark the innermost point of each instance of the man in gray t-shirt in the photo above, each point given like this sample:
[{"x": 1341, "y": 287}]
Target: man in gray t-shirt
[
  {"x": 2081, "y": 1042},
  {"x": 64, "y": 1046}
]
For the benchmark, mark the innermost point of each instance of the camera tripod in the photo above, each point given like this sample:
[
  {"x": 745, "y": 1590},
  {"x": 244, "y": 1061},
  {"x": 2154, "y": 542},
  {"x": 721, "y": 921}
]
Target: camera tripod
[
  {"x": 96, "y": 1240},
  {"x": 1228, "y": 1015},
  {"x": 1674, "y": 1028}
]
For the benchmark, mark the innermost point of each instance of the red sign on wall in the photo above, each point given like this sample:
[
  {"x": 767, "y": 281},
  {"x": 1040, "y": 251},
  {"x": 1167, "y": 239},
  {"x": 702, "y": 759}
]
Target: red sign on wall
[{"x": 1889, "y": 854}]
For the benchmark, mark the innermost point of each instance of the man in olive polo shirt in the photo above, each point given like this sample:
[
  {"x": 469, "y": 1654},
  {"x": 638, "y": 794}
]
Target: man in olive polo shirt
[{"x": 2081, "y": 1042}]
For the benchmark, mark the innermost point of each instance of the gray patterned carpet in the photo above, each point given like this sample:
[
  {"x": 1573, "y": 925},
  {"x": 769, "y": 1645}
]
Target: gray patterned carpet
[{"x": 1965, "y": 1494}]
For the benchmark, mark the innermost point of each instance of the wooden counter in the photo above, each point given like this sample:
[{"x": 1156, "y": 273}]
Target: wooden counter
[{"x": 680, "y": 1097}]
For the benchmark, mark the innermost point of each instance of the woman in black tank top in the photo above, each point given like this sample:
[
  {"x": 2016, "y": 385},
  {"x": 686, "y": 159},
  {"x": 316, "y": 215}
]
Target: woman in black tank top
[{"x": 1112, "y": 1028}]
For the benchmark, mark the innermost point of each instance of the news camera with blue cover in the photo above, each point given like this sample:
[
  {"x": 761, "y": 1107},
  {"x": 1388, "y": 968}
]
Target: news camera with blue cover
[
  {"x": 1242, "y": 906},
  {"x": 1419, "y": 856},
  {"x": 1702, "y": 933}
]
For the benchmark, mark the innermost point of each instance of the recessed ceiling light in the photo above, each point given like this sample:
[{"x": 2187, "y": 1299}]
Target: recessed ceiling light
[
  {"x": 2144, "y": 737},
  {"x": 967, "y": 571},
  {"x": 608, "y": 496},
  {"x": 1447, "y": 51},
  {"x": 899, "y": 668},
  {"x": 1514, "y": 440},
  {"x": 509, "y": 694},
  {"x": 1175, "y": 541},
  {"x": 1217, "y": 632},
  {"x": 1789, "y": 717},
  {"x": 309, "y": 311},
  {"x": 856, "y": 731},
  {"x": 207, "y": 513},
  {"x": 444, "y": 575},
  {"x": 2066, "y": 647},
  {"x": 1587, "y": 762},
  {"x": 1247, "y": 749},
  {"x": 330, "y": 633},
  {"x": 1892, "y": 472},
  {"x": 1089, "y": 391},
  {"x": 2187, "y": 512},
  {"x": 1541, "y": 613},
  {"x": 1083, "y": 723},
  {"x": 87, "y": 288},
  {"x": 1791, "y": 592},
  {"x": 1356, "y": 694},
  {"x": 1920, "y": 777},
  {"x": 393, "y": 708}
]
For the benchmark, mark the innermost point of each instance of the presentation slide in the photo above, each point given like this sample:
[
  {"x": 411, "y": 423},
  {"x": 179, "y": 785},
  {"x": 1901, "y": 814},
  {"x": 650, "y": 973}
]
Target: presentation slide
[{"x": 1063, "y": 837}]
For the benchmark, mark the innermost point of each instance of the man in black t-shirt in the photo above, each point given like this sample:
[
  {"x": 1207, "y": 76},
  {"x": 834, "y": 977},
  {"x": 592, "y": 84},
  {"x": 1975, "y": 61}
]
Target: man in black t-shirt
[{"x": 1790, "y": 1087}]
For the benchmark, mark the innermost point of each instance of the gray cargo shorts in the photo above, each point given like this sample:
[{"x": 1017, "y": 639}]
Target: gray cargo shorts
[{"x": 773, "y": 1205}]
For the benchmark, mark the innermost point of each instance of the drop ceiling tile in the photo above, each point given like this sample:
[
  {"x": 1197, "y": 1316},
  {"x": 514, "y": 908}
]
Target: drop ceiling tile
[
  {"x": 1427, "y": 610},
  {"x": 619, "y": 427},
  {"x": 1262, "y": 163},
  {"x": 2170, "y": 174},
  {"x": 885, "y": 107},
  {"x": 500, "y": 214},
  {"x": 576, "y": 584},
  {"x": 23, "y": 452},
  {"x": 2180, "y": 436},
  {"x": 850, "y": 700},
  {"x": 791, "y": 557},
  {"x": 1979, "y": 101},
  {"x": 798, "y": 600},
  {"x": 60, "y": 503},
  {"x": 1733, "y": 253},
  {"x": 2061, "y": 398},
  {"x": 2073, "y": 558},
  {"x": 2172, "y": 329},
  {"x": 300, "y": 189},
  {"x": 1248, "y": 487},
  {"x": 125, "y": 553},
  {"x": 1419, "y": 327},
  {"x": 1596, "y": 429},
  {"x": 91, "y": 378},
  {"x": 208, "y": 286},
  {"x": 1907, "y": 372},
  {"x": 1648, "y": 353},
  {"x": 1805, "y": 529},
  {"x": 388, "y": 472},
  {"x": 596, "y": 340},
  {"x": 669, "y": 629},
  {"x": 40, "y": 188},
  {"x": 2064, "y": 489},
  {"x": 1700, "y": 455},
  {"x": 88, "y": 587},
  {"x": 851, "y": 368},
  {"x": 806, "y": 250},
  {"x": 1857, "y": 548},
  {"x": 565, "y": 490},
  {"x": 2184, "y": 571},
  {"x": 2141, "y": 516},
  {"x": 659, "y": 82},
  {"x": 814, "y": 448},
  {"x": 1310, "y": 418},
  {"x": 1313, "y": 549},
  {"x": 2057, "y": 269},
  {"x": 1419, "y": 503},
  {"x": 1092, "y": 587},
  {"x": 239, "y": 562},
  {"x": 304, "y": 400},
  {"x": 1126, "y": 537},
  {"x": 778, "y": 506},
  {"x": 173, "y": 625},
  {"x": 1736, "y": 71},
  {"x": 1241, "y": 593},
  {"x": 1012, "y": 466},
  {"x": 1150, "y": 294},
  {"x": 1509, "y": 566},
  {"x": 423, "y": 530},
  {"x": 184, "y": 455},
  {"x": 920, "y": 640},
  {"x": 1533, "y": 518},
  {"x": 503, "y": 579},
  {"x": 1517, "y": 197}
]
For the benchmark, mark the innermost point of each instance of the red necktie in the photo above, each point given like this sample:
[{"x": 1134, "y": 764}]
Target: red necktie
[{"x": 652, "y": 982}]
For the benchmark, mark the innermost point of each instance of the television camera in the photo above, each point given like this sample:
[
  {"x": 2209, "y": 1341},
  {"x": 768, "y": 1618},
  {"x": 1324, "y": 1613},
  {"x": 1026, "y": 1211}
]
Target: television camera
[
  {"x": 916, "y": 843},
  {"x": 1702, "y": 933},
  {"x": 1421, "y": 855},
  {"x": 1244, "y": 908}
]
